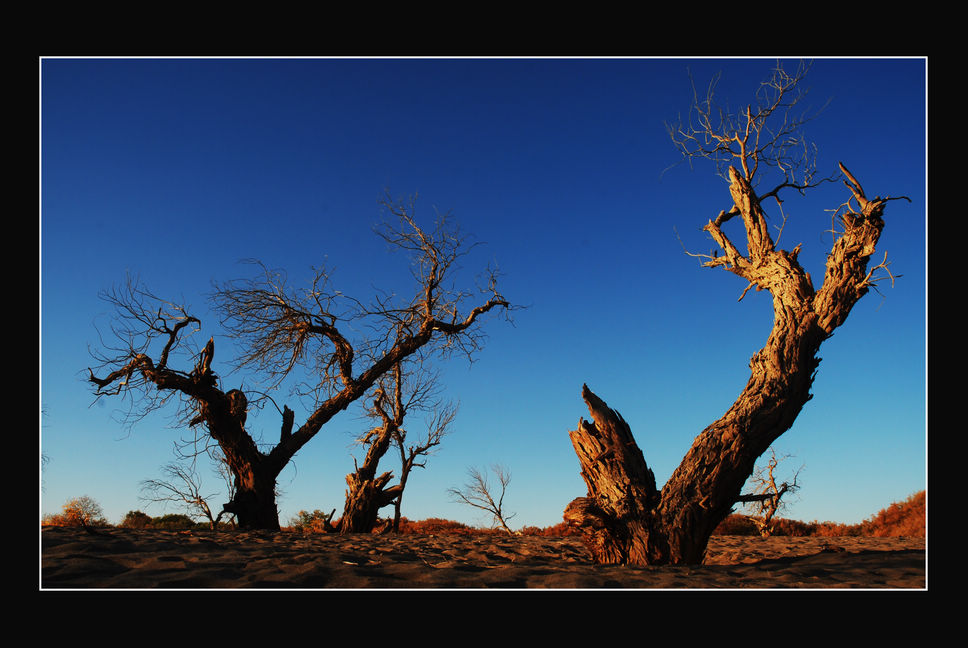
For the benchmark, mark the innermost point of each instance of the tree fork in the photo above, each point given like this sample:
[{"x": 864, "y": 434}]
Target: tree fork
[{"x": 623, "y": 518}]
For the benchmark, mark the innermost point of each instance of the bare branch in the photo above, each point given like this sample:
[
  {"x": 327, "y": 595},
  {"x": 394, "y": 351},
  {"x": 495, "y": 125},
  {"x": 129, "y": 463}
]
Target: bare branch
[
  {"x": 765, "y": 135},
  {"x": 400, "y": 392},
  {"x": 340, "y": 346},
  {"x": 143, "y": 325},
  {"x": 181, "y": 485},
  {"x": 280, "y": 328},
  {"x": 477, "y": 492}
]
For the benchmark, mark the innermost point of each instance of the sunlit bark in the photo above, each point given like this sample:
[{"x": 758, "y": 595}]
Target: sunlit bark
[{"x": 625, "y": 518}]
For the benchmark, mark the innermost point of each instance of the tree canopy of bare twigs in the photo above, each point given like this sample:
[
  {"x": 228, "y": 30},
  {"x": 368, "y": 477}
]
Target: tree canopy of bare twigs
[
  {"x": 280, "y": 328},
  {"x": 625, "y": 518},
  {"x": 764, "y": 139},
  {"x": 479, "y": 493}
]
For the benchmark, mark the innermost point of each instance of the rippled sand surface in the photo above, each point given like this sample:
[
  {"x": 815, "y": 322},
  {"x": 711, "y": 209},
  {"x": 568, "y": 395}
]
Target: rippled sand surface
[{"x": 147, "y": 559}]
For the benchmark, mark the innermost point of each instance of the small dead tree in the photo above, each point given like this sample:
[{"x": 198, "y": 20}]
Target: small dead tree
[
  {"x": 625, "y": 518},
  {"x": 477, "y": 492},
  {"x": 399, "y": 393},
  {"x": 182, "y": 486},
  {"x": 281, "y": 330},
  {"x": 766, "y": 496},
  {"x": 414, "y": 456},
  {"x": 367, "y": 493}
]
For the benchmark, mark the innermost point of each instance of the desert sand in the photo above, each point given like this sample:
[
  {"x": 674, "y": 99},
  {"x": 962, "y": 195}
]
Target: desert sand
[{"x": 115, "y": 558}]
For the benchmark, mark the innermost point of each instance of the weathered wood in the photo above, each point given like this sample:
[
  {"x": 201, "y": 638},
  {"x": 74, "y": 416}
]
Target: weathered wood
[
  {"x": 367, "y": 493},
  {"x": 622, "y": 518},
  {"x": 621, "y": 487}
]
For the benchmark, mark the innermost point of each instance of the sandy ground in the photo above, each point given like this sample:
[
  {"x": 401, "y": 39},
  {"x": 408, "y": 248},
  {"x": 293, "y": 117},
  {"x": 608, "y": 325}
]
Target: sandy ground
[{"x": 136, "y": 559}]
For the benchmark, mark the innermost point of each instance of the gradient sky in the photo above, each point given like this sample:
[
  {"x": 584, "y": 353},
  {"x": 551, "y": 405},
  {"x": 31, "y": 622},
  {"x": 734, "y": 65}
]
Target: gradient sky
[{"x": 174, "y": 170}]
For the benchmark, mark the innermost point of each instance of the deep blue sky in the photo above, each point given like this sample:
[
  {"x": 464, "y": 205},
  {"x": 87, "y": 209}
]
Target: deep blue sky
[{"x": 175, "y": 170}]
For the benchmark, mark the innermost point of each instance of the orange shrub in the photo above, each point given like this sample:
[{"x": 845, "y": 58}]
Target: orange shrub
[
  {"x": 905, "y": 518},
  {"x": 437, "y": 526},
  {"x": 79, "y": 511},
  {"x": 792, "y": 528}
]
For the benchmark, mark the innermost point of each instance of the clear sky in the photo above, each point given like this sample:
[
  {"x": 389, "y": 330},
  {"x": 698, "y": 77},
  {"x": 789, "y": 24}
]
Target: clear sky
[{"x": 176, "y": 169}]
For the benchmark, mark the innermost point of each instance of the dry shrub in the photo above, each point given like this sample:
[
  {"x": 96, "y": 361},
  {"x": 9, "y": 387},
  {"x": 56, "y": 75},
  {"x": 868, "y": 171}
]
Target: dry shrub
[
  {"x": 905, "y": 518},
  {"x": 836, "y": 530},
  {"x": 315, "y": 522},
  {"x": 440, "y": 526},
  {"x": 436, "y": 526},
  {"x": 135, "y": 520},
  {"x": 736, "y": 524},
  {"x": 79, "y": 511},
  {"x": 792, "y": 528},
  {"x": 559, "y": 530}
]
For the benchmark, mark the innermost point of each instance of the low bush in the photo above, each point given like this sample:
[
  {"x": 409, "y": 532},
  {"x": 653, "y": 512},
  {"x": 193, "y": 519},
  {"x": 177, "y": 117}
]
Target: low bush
[{"x": 79, "y": 511}]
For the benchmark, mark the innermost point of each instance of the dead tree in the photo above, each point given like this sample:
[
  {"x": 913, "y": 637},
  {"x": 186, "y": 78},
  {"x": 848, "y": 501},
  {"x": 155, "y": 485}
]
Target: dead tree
[
  {"x": 399, "y": 393},
  {"x": 181, "y": 485},
  {"x": 625, "y": 518},
  {"x": 414, "y": 456},
  {"x": 477, "y": 492},
  {"x": 766, "y": 497},
  {"x": 281, "y": 329},
  {"x": 366, "y": 492}
]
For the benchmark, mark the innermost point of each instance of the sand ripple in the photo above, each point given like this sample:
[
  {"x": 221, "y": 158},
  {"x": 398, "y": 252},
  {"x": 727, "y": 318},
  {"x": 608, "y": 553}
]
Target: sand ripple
[{"x": 143, "y": 559}]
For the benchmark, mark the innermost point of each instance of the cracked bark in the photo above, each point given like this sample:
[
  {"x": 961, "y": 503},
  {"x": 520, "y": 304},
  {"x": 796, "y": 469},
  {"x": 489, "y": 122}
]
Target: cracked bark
[{"x": 624, "y": 518}]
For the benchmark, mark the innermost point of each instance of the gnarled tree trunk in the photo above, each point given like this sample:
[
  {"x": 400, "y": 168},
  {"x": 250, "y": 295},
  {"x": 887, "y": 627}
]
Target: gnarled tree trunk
[
  {"x": 366, "y": 492},
  {"x": 625, "y": 518},
  {"x": 255, "y": 473},
  {"x": 280, "y": 330}
]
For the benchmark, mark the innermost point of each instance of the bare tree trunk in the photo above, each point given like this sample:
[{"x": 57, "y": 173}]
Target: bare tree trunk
[
  {"x": 255, "y": 473},
  {"x": 398, "y": 502},
  {"x": 254, "y": 504},
  {"x": 367, "y": 493},
  {"x": 624, "y": 518}
]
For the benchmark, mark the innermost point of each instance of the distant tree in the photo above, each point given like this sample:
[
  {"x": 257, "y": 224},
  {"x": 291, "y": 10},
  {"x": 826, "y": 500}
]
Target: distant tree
[
  {"x": 135, "y": 520},
  {"x": 81, "y": 511},
  {"x": 766, "y": 496},
  {"x": 760, "y": 151},
  {"x": 399, "y": 393},
  {"x": 172, "y": 522},
  {"x": 477, "y": 492},
  {"x": 280, "y": 330}
]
